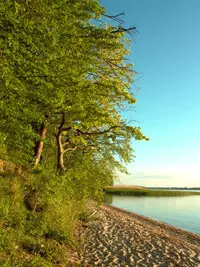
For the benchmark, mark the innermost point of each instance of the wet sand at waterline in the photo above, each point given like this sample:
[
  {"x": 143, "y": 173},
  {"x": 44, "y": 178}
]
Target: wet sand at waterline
[{"x": 119, "y": 238}]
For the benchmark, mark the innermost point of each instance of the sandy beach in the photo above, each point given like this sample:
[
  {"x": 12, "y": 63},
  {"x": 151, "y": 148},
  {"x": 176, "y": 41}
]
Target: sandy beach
[{"x": 115, "y": 237}]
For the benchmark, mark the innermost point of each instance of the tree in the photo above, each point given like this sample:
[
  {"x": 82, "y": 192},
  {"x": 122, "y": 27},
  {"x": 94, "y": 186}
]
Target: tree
[
  {"x": 64, "y": 82},
  {"x": 71, "y": 78}
]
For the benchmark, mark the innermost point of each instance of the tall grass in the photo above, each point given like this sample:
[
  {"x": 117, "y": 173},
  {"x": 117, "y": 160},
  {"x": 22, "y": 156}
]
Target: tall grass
[
  {"x": 147, "y": 192},
  {"x": 41, "y": 235}
]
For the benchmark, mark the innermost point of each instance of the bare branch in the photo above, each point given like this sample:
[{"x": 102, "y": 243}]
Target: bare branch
[
  {"x": 70, "y": 148},
  {"x": 116, "y": 17},
  {"x": 97, "y": 133},
  {"x": 122, "y": 29}
]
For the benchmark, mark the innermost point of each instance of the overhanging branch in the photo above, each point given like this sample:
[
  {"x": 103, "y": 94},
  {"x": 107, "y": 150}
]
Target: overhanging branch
[{"x": 97, "y": 133}]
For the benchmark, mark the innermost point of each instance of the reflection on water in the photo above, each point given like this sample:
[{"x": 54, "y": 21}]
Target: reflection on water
[{"x": 183, "y": 212}]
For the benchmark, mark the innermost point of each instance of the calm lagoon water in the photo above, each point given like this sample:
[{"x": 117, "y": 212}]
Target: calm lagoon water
[{"x": 183, "y": 212}]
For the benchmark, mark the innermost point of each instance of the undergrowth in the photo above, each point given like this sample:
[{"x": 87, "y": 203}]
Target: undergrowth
[{"x": 38, "y": 215}]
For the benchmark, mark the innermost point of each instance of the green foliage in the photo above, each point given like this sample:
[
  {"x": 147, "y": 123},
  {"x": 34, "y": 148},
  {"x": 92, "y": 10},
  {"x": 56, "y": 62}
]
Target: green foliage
[
  {"x": 64, "y": 65},
  {"x": 36, "y": 238},
  {"x": 64, "y": 71}
]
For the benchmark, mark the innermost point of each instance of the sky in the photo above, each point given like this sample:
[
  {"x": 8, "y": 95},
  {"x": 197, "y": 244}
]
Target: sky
[{"x": 166, "y": 53}]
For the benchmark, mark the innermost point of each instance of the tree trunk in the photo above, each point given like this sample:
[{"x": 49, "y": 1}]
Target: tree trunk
[
  {"x": 60, "y": 160},
  {"x": 39, "y": 146}
]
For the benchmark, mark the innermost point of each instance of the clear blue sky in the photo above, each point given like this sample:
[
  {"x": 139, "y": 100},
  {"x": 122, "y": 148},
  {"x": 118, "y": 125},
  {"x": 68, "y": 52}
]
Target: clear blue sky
[{"x": 166, "y": 52}]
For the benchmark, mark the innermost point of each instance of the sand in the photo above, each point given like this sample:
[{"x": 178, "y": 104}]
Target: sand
[{"x": 115, "y": 237}]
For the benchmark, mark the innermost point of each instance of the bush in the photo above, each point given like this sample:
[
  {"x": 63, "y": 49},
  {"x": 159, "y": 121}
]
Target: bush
[{"x": 41, "y": 234}]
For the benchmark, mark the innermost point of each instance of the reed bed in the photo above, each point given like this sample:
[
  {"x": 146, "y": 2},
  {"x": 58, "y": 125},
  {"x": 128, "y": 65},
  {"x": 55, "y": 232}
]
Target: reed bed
[{"x": 148, "y": 192}]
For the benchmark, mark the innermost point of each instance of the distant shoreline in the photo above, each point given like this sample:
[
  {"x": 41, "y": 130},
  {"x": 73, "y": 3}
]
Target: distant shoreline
[
  {"x": 150, "y": 191},
  {"x": 174, "y": 188}
]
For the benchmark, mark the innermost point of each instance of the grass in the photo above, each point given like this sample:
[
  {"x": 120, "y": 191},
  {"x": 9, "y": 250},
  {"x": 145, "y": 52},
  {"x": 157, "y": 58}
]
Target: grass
[
  {"x": 43, "y": 238},
  {"x": 141, "y": 191}
]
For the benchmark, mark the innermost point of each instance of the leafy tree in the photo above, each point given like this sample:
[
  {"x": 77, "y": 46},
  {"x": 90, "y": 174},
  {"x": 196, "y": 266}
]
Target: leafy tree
[
  {"x": 67, "y": 76},
  {"x": 64, "y": 81}
]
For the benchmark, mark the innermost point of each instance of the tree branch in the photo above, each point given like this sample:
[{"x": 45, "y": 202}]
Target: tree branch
[
  {"x": 116, "y": 17},
  {"x": 122, "y": 29},
  {"x": 80, "y": 147},
  {"x": 70, "y": 148},
  {"x": 66, "y": 129},
  {"x": 97, "y": 133}
]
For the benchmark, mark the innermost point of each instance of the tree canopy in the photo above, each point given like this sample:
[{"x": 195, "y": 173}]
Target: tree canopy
[{"x": 64, "y": 80}]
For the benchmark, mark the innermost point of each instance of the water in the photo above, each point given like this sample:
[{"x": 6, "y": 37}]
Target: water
[{"x": 183, "y": 212}]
